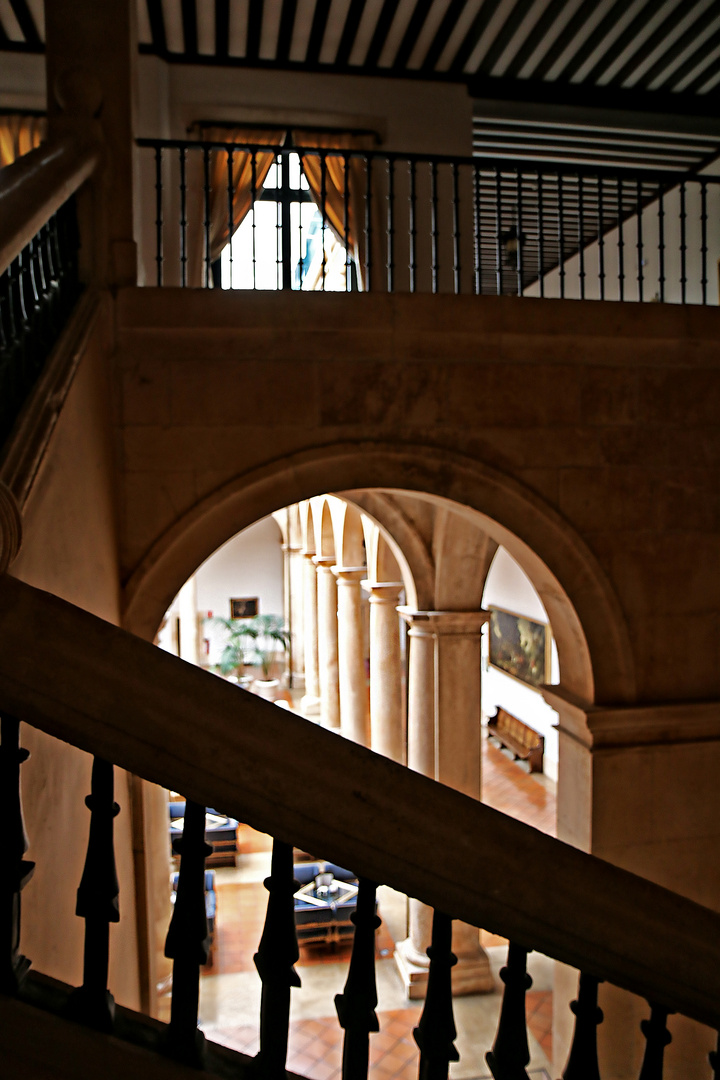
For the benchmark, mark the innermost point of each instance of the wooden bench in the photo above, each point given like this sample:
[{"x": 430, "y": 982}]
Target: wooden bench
[{"x": 518, "y": 737}]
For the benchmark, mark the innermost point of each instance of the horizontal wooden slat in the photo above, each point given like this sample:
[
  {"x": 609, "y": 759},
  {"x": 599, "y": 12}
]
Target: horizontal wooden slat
[{"x": 115, "y": 695}]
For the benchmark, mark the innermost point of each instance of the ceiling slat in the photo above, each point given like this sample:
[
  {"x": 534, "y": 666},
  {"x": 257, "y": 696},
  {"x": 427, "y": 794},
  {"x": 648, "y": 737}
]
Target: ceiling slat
[
  {"x": 594, "y": 39},
  {"x": 349, "y": 33},
  {"x": 659, "y": 34},
  {"x": 189, "y": 21},
  {"x": 546, "y": 21},
  {"x": 695, "y": 31},
  {"x": 444, "y": 31},
  {"x": 255, "y": 16},
  {"x": 708, "y": 46},
  {"x": 620, "y": 44},
  {"x": 157, "y": 25},
  {"x": 382, "y": 29},
  {"x": 222, "y": 27},
  {"x": 412, "y": 33},
  {"x": 317, "y": 33},
  {"x": 287, "y": 22},
  {"x": 27, "y": 23},
  {"x": 511, "y": 26},
  {"x": 476, "y": 31},
  {"x": 566, "y": 35}
]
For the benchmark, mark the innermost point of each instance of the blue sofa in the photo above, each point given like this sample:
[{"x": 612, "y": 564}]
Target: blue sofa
[{"x": 325, "y": 922}]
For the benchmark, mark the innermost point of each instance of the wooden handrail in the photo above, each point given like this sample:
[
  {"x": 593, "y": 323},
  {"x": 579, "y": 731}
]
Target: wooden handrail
[
  {"x": 37, "y": 184},
  {"x": 117, "y": 696}
]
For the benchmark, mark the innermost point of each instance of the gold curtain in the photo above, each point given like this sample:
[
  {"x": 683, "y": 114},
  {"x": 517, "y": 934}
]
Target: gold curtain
[
  {"x": 18, "y": 135},
  {"x": 335, "y": 180},
  {"x": 240, "y": 182}
]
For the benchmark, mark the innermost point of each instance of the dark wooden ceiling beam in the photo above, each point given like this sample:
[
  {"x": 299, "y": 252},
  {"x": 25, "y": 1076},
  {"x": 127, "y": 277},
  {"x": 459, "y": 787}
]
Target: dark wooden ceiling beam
[
  {"x": 595, "y": 39},
  {"x": 254, "y": 30},
  {"x": 476, "y": 31},
  {"x": 511, "y": 26},
  {"x": 660, "y": 34},
  {"x": 317, "y": 31},
  {"x": 285, "y": 31},
  {"x": 26, "y": 22},
  {"x": 350, "y": 29},
  {"x": 444, "y": 31},
  {"x": 222, "y": 27},
  {"x": 707, "y": 72},
  {"x": 157, "y": 26},
  {"x": 382, "y": 29},
  {"x": 694, "y": 32},
  {"x": 412, "y": 33},
  {"x": 566, "y": 35},
  {"x": 537, "y": 34},
  {"x": 628, "y": 35},
  {"x": 189, "y": 23}
]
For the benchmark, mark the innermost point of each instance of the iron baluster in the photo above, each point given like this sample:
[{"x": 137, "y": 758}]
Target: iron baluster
[
  {"x": 683, "y": 246},
  {"x": 657, "y": 1037},
  {"x": 97, "y": 903},
  {"x": 582, "y": 1064},
  {"x": 456, "y": 229},
  {"x": 434, "y": 268},
  {"x": 413, "y": 227},
  {"x": 640, "y": 275},
  {"x": 510, "y": 1053},
  {"x": 601, "y": 240},
  {"x": 158, "y": 215},
  {"x": 301, "y": 258},
  {"x": 541, "y": 237},
  {"x": 368, "y": 222},
  {"x": 230, "y": 211},
  {"x": 561, "y": 236},
  {"x": 206, "y": 210},
  {"x": 13, "y": 845},
  {"x": 477, "y": 239},
  {"x": 323, "y": 210},
  {"x": 703, "y": 238},
  {"x": 356, "y": 1005},
  {"x": 621, "y": 241},
  {"x": 661, "y": 244},
  {"x": 435, "y": 1034},
  {"x": 183, "y": 217},
  {"x": 498, "y": 232},
  {"x": 253, "y": 197},
  {"x": 346, "y": 222},
  {"x": 581, "y": 237},
  {"x": 520, "y": 238},
  {"x": 187, "y": 941},
  {"x": 714, "y": 1059},
  {"x": 390, "y": 225},
  {"x": 275, "y": 961}
]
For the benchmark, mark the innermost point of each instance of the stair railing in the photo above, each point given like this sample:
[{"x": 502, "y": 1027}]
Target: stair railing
[{"x": 118, "y": 697}]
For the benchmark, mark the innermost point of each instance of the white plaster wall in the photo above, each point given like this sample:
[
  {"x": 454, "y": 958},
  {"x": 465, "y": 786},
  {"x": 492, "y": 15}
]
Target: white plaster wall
[{"x": 508, "y": 587}]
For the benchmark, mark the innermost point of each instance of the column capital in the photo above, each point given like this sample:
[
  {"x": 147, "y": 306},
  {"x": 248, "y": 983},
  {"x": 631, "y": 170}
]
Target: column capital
[
  {"x": 309, "y": 555},
  {"x": 324, "y": 562},
  {"x": 346, "y": 575},
  {"x": 383, "y": 592},
  {"x": 291, "y": 548},
  {"x": 458, "y": 623}
]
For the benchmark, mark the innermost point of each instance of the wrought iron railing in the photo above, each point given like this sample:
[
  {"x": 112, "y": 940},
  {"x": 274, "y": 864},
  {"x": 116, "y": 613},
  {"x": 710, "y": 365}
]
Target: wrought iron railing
[
  {"x": 422, "y": 223},
  {"x": 566, "y": 908}
]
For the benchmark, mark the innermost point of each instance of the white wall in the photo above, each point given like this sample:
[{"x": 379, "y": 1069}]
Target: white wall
[{"x": 508, "y": 587}]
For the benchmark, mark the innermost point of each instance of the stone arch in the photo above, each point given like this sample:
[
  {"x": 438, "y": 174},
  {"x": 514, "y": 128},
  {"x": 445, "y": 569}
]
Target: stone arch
[{"x": 591, "y": 635}]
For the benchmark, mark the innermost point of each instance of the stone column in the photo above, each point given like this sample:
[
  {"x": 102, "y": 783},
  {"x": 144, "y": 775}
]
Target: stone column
[
  {"x": 327, "y": 622},
  {"x": 310, "y": 704},
  {"x": 351, "y": 660},
  {"x": 386, "y": 708},
  {"x": 296, "y": 588}
]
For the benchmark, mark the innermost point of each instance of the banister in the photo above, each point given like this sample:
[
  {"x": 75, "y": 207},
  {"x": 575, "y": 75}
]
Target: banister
[
  {"x": 119, "y": 697},
  {"x": 37, "y": 184}
]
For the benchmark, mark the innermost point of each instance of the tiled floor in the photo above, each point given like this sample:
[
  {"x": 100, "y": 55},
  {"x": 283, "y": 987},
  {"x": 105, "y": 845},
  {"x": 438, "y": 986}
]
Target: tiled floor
[{"x": 230, "y": 992}]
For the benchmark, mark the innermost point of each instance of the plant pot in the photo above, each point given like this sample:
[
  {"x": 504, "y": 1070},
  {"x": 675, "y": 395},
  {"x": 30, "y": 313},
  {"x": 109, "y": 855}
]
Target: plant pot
[{"x": 266, "y": 688}]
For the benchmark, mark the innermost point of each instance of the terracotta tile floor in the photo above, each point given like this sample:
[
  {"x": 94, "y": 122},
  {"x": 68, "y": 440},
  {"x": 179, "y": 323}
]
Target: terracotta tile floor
[{"x": 315, "y": 1045}]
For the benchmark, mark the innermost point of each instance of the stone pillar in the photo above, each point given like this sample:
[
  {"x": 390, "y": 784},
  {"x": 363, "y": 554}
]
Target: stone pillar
[
  {"x": 387, "y": 735},
  {"x": 310, "y": 704},
  {"x": 327, "y": 623},
  {"x": 444, "y": 743},
  {"x": 296, "y": 590},
  {"x": 351, "y": 660}
]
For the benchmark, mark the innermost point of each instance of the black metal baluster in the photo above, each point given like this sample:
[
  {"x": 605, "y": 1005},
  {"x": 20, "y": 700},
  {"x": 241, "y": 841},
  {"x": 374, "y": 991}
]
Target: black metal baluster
[
  {"x": 434, "y": 267},
  {"x": 391, "y": 225},
  {"x": 657, "y": 1037},
  {"x": 97, "y": 903},
  {"x": 518, "y": 214},
  {"x": 581, "y": 236},
  {"x": 187, "y": 941},
  {"x": 323, "y": 209},
  {"x": 714, "y": 1059},
  {"x": 661, "y": 244},
  {"x": 456, "y": 229},
  {"x": 601, "y": 240},
  {"x": 275, "y": 961},
  {"x": 621, "y": 242},
  {"x": 561, "y": 235},
  {"x": 582, "y": 1063},
  {"x": 183, "y": 217},
  {"x": 510, "y": 1053},
  {"x": 703, "y": 238},
  {"x": 541, "y": 237},
  {"x": 478, "y": 231},
  {"x": 435, "y": 1034},
  {"x": 206, "y": 212},
  {"x": 413, "y": 228},
  {"x": 683, "y": 246},
  {"x": 13, "y": 845},
  {"x": 346, "y": 223},
  {"x": 253, "y": 198},
  {"x": 356, "y": 1005},
  {"x": 368, "y": 223},
  {"x": 639, "y": 211},
  {"x": 230, "y": 210},
  {"x": 158, "y": 215},
  {"x": 498, "y": 232}
]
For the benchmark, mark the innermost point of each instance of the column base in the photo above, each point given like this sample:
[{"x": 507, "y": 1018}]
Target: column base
[
  {"x": 471, "y": 975},
  {"x": 310, "y": 705}
]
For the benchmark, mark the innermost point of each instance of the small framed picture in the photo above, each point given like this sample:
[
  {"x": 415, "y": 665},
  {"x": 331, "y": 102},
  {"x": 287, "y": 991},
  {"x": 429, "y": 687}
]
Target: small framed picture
[
  {"x": 520, "y": 647},
  {"x": 246, "y": 608}
]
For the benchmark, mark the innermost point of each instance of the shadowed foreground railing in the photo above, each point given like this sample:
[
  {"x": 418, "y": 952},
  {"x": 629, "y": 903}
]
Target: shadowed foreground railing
[
  {"x": 421, "y": 223},
  {"x": 122, "y": 699}
]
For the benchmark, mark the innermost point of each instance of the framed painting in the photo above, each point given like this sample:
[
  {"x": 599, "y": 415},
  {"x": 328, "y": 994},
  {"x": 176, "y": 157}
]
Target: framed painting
[
  {"x": 244, "y": 609},
  {"x": 520, "y": 647}
]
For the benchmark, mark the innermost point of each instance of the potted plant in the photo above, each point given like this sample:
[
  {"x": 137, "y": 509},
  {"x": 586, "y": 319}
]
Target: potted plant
[{"x": 269, "y": 640}]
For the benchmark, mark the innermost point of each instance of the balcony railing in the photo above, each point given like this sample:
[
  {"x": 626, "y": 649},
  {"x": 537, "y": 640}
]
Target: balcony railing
[{"x": 419, "y": 223}]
